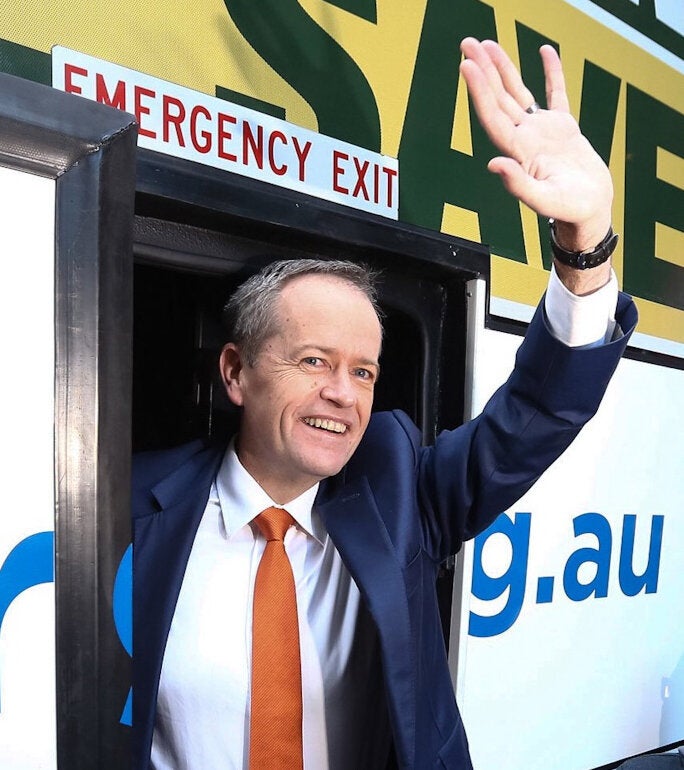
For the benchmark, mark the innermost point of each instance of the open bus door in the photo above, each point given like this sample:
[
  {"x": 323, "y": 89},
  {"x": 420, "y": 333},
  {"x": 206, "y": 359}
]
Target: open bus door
[{"x": 118, "y": 265}]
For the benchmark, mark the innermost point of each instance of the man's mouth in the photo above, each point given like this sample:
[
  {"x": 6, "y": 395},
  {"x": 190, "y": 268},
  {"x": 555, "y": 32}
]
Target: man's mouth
[{"x": 330, "y": 425}]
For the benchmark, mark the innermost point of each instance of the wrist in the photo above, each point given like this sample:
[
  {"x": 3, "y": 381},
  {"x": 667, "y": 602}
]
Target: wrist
[
  {"x": 581, "y": 237},
  {"x": 583, "y": 282},
  {"x": 582, "y": 258},
  {"x": 582, "y": 270}
]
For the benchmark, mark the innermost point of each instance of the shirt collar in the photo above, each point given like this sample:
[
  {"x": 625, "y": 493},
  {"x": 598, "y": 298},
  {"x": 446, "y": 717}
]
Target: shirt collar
[{"x": 241, "y": 499}]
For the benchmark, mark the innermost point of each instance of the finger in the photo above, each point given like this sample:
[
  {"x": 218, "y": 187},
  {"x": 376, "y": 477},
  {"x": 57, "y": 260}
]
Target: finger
[
  {"x": 556, "y": 95},
  {"x": 510, "y": 77},
  {"x": 496, "y": 122},
  {"x": 479, "y": 53},
  {"x": 522, "y": 185}
]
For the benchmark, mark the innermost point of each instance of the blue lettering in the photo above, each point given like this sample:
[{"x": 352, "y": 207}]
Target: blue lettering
[
  {"x": 595, "y": 524},
  {"x": 31, "y": 562},
  {"x": 123, "y": 618},
  {"x": 544, "y": 590},
  {"x": 28, "y": 564},
  {"x": 486, "y": 588},
  {"x": 630, "y": 583}
]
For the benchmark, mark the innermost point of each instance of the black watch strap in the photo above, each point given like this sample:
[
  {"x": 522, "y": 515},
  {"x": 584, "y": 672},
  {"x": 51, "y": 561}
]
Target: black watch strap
[{"x": 583, "y": 260}]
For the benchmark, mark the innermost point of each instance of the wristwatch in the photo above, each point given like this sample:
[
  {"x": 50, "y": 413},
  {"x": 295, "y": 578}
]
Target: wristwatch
[{"x": 583, "y": 260}]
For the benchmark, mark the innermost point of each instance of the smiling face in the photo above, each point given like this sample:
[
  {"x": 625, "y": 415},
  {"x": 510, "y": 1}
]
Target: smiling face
[{"x": 307, "y": 399}]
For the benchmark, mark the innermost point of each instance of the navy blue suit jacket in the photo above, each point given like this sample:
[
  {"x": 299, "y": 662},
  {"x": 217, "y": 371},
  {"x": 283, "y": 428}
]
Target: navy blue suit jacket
[{"x": 395, "y": 512}]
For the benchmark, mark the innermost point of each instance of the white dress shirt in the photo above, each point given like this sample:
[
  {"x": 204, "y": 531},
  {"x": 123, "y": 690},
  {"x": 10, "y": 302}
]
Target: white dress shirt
[{"x": 202, "y": 719}]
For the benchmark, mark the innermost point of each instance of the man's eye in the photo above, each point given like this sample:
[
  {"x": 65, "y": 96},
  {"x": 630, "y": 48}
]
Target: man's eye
[
  {"x": 311, "y": 361},
  {"x": 364, "y": 374}
]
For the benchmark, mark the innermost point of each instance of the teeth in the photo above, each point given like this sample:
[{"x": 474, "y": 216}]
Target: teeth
[{"x": 331, "y": 425}]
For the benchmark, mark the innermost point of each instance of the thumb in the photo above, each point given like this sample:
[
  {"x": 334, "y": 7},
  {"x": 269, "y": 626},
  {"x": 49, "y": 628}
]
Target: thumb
[{"x": 517, "y": 181}]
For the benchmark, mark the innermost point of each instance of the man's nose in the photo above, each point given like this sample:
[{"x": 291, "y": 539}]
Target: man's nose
[{"x": 339, "y": 389}]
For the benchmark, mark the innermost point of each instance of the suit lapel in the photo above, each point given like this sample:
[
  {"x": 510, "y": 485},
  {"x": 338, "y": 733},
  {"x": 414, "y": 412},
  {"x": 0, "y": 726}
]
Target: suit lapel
[
  {"x": 354, "y": 523},
  {"x": 163, "y": 541}
]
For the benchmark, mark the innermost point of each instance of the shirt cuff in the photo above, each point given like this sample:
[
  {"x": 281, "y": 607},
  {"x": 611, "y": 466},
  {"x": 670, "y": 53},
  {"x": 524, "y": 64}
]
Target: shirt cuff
[{"x": 581, "y": 321}]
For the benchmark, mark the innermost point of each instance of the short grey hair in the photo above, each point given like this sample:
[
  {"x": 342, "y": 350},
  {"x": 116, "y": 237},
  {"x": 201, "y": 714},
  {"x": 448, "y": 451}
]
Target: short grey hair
[{"x": 250, "y": 314}]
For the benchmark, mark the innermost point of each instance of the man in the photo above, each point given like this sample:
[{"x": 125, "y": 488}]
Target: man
[{"x": 373, "y": 512}]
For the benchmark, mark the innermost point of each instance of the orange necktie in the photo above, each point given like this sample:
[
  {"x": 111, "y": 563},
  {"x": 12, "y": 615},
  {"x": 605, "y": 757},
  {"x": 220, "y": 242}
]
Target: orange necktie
[{"x": 275, "y": 737}]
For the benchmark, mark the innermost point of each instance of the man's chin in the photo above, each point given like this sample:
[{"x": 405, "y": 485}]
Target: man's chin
[{"x": 321, "y": 468}]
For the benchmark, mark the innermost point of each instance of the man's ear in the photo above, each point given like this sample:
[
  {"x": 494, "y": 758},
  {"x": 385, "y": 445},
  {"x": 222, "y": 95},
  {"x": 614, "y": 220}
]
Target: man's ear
[{"x": 230, "y": 366}]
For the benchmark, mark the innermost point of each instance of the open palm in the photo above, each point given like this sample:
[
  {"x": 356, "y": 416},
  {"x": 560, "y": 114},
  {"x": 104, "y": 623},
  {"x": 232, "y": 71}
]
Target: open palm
[{"x": 545, "y": 160}]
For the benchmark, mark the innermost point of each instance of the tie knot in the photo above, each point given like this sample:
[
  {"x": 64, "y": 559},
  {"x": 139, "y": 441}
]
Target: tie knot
[{"x": 273, "y": 523}]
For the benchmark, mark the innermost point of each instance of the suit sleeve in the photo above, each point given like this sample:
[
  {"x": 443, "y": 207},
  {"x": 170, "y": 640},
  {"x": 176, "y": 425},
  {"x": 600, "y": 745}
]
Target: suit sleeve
[{"x": 475, "y": 472}]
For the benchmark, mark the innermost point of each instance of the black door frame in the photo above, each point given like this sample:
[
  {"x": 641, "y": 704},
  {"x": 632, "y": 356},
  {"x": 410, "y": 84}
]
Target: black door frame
[{"x": 89, "y": 150}]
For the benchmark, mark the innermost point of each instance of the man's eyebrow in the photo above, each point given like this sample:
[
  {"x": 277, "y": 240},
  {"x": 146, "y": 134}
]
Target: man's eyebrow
[
  {"x": 374, "y": 364},
  {"x": 312, "y": 347}
]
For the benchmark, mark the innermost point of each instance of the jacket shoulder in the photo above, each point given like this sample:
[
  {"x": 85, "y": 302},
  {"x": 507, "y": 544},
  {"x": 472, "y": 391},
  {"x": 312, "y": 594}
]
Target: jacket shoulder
[
  {"x": 392, "y": 425},
  {"x": 159, "y": 470},
  {"x": 390, "y": 437}
]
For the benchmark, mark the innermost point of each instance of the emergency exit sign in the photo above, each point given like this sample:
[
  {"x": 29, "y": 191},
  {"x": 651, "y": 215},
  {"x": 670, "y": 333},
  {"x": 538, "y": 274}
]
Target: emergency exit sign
[{"x": 188, "y": 124}]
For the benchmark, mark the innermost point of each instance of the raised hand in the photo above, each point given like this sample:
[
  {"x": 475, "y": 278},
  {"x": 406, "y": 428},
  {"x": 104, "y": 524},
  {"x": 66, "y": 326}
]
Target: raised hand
[{"x": 545, "y": 160}]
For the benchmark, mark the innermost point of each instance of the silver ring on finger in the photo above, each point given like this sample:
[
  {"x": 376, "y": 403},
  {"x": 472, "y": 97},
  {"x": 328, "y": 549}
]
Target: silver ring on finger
[{"x": 534, "y": 107}]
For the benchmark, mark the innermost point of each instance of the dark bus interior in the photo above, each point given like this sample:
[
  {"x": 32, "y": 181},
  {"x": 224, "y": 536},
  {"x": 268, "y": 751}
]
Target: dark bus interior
[{"x": 190, "y": 254}]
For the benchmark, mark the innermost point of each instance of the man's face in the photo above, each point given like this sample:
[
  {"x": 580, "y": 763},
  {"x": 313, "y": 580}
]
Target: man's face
[{"x": 307, "y": 400}]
